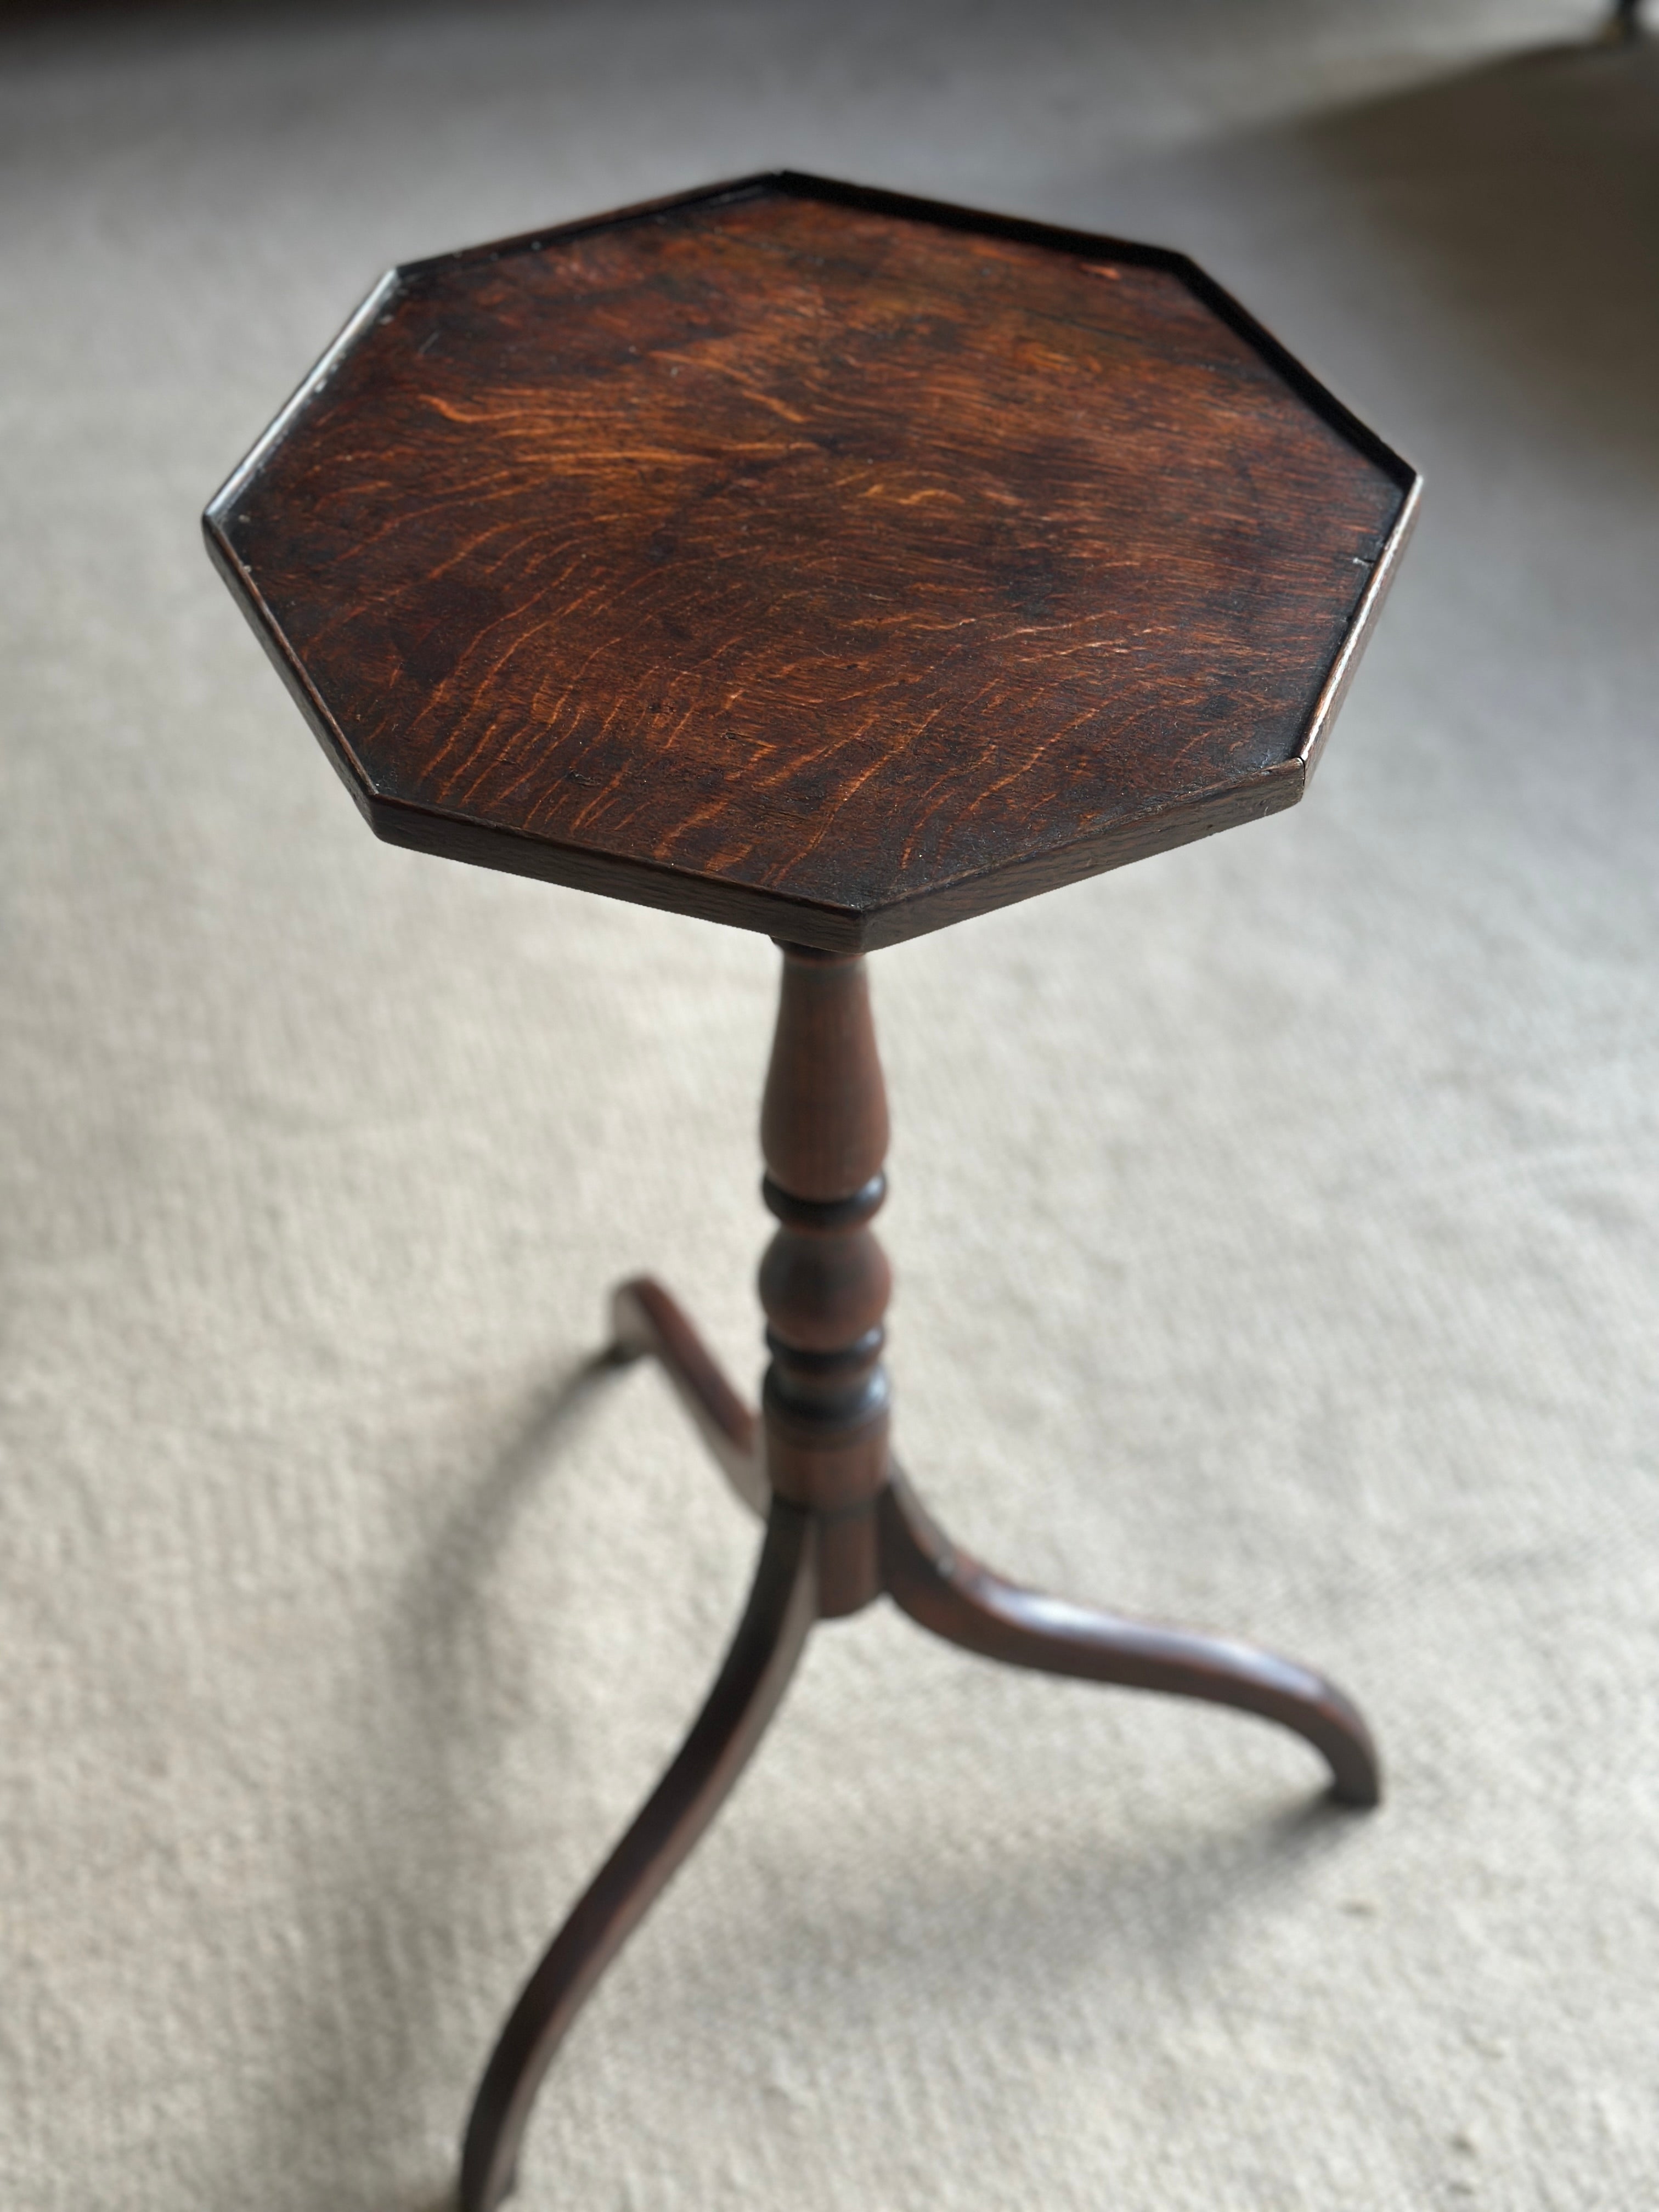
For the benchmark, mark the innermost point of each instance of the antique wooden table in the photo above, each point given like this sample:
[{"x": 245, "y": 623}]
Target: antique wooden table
[{"x": 840, "y": 566}]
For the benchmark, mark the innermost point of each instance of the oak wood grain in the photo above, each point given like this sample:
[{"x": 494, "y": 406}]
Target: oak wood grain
[{"x": 811, "y": 559}]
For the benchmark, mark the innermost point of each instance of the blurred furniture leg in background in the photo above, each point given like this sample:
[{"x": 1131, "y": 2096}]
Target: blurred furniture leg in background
[{"x": 1623, "y": 26}]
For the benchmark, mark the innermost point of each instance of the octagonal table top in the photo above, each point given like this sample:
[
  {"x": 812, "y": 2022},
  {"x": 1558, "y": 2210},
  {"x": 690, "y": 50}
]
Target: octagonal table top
[{"x": 812, "y": 559}]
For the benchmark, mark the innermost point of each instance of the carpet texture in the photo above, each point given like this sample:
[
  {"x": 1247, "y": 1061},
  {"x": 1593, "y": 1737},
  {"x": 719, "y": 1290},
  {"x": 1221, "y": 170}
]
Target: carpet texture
[{"x": 1275, "y": 1221}]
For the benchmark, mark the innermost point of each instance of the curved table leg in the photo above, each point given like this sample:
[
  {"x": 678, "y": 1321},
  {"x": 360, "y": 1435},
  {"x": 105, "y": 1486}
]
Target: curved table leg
[
  {"x": 782, "y": 1606},
  {"x": 956, "y": 1598},
  {"x": 645, "y": 1319}
]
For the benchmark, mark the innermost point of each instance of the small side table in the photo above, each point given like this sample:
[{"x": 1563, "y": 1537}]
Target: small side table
[{"x": 840, "y": 566}]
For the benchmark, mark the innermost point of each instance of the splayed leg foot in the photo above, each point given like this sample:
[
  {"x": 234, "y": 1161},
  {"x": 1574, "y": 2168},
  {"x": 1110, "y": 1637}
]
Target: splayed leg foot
[
  {"x": 946, "y": 1591},
  {"x": 782, "y": 1606}
]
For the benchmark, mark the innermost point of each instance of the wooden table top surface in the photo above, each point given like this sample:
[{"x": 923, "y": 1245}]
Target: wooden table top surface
[{"x": 814, "y": 560}]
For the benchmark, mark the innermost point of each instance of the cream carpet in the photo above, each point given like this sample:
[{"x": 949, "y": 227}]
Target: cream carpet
[{"x": 1275, "y": 1221}]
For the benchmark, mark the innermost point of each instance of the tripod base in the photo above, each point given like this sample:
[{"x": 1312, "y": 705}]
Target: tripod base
[{"x": 813, "y": 1564}]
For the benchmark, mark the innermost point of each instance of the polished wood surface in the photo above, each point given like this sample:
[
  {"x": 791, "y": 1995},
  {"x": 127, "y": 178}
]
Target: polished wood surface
[
  {"x": 824, "y": 1280},
  {"x": 782, "y": 1609},
  {"x": 949, "y": 1592},
  {"x": 838, "y": 565},
  {"x": 956, "y": 1596},
  {"x": 941, "y": 1587},
  {"x": 812, "y": 559},
  {"x": 843, "y": 1526}
]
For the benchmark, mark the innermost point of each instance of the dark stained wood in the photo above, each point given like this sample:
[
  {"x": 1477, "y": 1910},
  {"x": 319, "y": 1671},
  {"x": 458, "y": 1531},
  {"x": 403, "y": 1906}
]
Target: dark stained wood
[
  {"x": 842, "y": 1527},
  {"x": 824, "y": 1110},
  {"x": 645, "y": 1319},
  {"x": 812, "y": 559},
  {"x": 825, "y": 1281},
  {"x": 954, "y": 1596},
  {"x": 762, "y": 1657}
]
